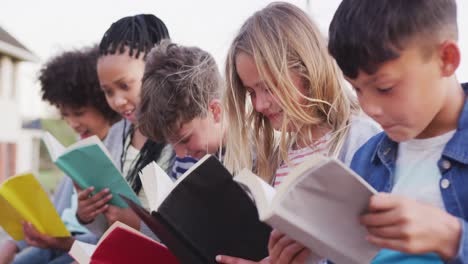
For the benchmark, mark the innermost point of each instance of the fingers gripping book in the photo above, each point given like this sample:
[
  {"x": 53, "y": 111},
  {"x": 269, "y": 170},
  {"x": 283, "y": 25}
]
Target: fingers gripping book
[{"x": 88, "y": 163}]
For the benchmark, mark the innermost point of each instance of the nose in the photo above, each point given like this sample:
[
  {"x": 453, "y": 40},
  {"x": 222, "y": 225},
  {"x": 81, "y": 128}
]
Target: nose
[
  {"x": 120, "y": 100},
  {"x": 262, "y": 102}
]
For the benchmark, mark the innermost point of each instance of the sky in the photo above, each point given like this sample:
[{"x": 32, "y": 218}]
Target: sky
[{"x": 48, "y": 27}]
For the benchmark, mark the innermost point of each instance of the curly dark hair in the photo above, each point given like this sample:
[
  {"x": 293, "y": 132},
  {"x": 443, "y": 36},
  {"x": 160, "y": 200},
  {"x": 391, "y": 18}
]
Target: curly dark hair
[{"x": 70, "y": 79}]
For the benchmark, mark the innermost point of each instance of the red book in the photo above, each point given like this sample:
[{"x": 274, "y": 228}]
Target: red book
[{"x": 122, "y": 244}]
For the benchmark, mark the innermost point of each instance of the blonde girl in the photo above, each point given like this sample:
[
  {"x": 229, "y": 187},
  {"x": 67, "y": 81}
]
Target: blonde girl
[{"x": 286, "y": 100}]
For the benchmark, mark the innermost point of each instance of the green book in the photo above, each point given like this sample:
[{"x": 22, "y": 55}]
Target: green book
[{"x": 88, "y": 163}]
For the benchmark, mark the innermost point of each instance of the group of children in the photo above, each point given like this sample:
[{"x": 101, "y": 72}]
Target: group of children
[{"x": 282, "y": 99}]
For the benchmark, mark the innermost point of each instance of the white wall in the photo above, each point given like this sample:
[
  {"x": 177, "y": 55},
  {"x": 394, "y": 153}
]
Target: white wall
[
  {"x": 27, "y": 152},
  {"x": 9, "y": 108}
]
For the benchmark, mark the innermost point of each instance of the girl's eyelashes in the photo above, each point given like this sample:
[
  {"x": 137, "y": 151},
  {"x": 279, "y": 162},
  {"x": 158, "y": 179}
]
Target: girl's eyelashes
[
  {"x": 384, "y": 90},
  {"x": 186, "y": 139}
]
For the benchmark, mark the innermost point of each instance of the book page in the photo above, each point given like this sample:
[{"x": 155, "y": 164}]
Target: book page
[
  {"x": 93, "y": 140},
  {"x": 262, "y": 193},
  {"x": 322, "y": 210},
  {"x": 54, "y": 147},
  {"x": 82, "y": 252},
  {"x": 156, "y": 183}
]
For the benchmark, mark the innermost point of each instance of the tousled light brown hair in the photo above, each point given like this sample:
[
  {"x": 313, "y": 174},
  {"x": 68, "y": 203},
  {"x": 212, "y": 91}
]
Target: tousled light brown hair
[
  {"x": 178, "y": 84},
  {"x": 281, "y": 38}
]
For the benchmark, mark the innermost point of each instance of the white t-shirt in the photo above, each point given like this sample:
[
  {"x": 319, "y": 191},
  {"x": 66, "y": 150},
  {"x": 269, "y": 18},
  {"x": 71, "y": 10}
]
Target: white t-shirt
[
  {"x": 417, "y": 175},
  {"x": 130, "y": 158}
]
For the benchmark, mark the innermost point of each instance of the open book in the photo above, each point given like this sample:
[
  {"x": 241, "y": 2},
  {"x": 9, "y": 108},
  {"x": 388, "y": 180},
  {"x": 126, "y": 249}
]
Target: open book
[
  {"x": 124, "y": 245},
  {"x": 88, "y": 163},
  {"x": 203, "y": 214},
  {"x": 22, "y": 198},
  {"x": 318, "y": 204}
]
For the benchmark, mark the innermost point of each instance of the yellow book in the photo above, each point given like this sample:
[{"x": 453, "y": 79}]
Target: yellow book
[{"x": 22, "y": 198}]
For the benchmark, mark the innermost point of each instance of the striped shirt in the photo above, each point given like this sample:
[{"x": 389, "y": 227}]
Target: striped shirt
[
  {"x": 297, "y": 156},
  {"x": 181, "y": 165}
]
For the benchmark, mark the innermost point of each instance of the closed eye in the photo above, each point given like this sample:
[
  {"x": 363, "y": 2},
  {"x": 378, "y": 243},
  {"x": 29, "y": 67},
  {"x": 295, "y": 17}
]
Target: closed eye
[
  {"x": 384, "y": 90},
  {"x": 123, "y": 86}
]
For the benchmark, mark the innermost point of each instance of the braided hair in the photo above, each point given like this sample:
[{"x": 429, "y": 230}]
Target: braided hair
[{"x": 138, "y": 34}]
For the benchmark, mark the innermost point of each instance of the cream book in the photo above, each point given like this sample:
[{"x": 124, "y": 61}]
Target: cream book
[
  {"x": 122, "y": 244},
  {"x": 318, "y": 204}
]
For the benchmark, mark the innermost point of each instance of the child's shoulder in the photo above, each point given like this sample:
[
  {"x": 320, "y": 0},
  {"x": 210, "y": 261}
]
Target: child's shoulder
[
  {"x": 361, "y": 124},
  {"x": 361, "y": 129},
  {"x": 115, "y": 132}
]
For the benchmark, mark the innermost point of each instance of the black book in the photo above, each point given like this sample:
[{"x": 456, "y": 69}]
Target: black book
[{"x": 203, "y": 214}]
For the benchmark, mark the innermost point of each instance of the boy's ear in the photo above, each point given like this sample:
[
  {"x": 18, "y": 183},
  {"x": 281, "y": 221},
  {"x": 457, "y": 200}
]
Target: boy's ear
[
  {"x": 450, "y": 56},
  {"x": 216, "y": 109}
]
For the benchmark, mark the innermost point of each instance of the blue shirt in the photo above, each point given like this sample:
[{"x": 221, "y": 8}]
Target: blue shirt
[{"x": 375, "y": 162}]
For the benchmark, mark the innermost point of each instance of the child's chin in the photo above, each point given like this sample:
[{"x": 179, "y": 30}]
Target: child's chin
[{"x": 399, "y": 137}]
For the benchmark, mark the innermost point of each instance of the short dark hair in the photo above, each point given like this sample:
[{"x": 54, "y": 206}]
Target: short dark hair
[
  {"x": 139, "y": 33},
  {"x": 70, "y": 79},
  {"x": 178, "y": 85},
  {"x": 366, "y": 33}
]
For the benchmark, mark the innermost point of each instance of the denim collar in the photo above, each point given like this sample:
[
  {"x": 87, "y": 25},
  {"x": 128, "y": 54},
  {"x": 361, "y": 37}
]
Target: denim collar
[{"x": 456, "y": 149}]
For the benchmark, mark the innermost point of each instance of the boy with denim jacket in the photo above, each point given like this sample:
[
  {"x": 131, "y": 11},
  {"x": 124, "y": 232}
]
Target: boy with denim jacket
[{"x": 401, "y": 56}]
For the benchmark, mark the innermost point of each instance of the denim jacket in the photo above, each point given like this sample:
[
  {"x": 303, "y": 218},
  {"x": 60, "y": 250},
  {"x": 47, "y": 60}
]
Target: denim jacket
[{"x": 375, "y": 162}]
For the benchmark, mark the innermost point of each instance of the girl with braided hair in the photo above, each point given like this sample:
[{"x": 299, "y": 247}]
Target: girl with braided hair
[{"x": 120, "y": 68}]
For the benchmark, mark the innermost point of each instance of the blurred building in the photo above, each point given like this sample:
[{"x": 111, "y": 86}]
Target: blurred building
[{"x": 17, "y": 146}]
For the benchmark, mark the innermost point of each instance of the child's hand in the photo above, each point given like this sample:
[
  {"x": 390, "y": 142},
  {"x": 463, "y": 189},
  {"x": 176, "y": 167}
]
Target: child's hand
[
  {"x": 285, "y": 250},
  {"x": 282, "y": 250},
  {"x": 36, "y": 239},
  {"x": 124, "y": 215},
  {"x": 8, "y": 251},
  {"x": 409, "y": 226},
  {"x": 91, "y": 206}
]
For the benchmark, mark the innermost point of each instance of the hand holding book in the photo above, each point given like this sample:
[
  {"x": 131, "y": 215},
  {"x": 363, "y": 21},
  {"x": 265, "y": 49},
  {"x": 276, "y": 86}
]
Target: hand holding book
[
  {"x": 89, "y": 164},
  {"x": 36, "y": 239},
  {"x": 124, "y": 215},
  {"x": 91, "y": 206}
]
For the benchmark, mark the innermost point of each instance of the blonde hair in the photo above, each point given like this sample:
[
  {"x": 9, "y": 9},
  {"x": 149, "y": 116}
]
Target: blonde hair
[{"x": 282, "y": 38}]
